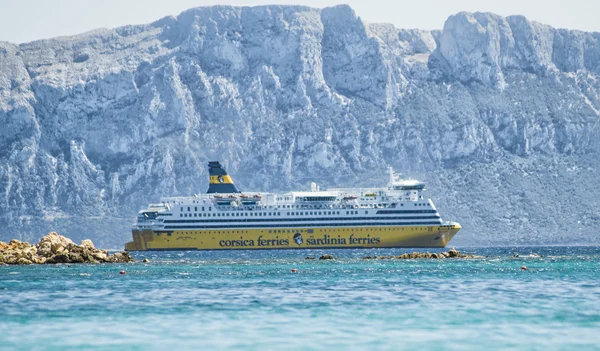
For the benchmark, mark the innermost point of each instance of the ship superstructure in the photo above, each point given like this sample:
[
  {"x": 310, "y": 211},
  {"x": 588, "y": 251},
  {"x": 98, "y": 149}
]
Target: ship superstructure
[{"x": 397, "y": 215}]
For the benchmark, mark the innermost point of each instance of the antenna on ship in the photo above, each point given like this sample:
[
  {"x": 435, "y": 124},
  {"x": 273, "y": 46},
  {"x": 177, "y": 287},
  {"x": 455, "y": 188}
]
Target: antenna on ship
[{"x": 391, "y": 175}]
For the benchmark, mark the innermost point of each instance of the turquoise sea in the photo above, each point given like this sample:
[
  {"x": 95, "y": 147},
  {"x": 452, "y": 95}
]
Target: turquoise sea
[{"x": 251, "y": 300}]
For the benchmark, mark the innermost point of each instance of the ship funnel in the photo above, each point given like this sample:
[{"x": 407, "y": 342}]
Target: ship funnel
[{"x": 219, "y": 181}]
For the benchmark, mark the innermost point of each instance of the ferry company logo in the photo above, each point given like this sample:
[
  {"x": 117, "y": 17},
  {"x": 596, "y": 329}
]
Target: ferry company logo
[
  {"x": 220, "y": 179},
  {"x": 323, "y": 241},
  {"x": 298, "y": 238}
]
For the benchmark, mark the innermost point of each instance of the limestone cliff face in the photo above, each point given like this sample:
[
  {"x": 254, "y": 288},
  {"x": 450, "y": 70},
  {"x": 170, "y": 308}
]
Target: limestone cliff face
[{"x": 499, "y": 116}]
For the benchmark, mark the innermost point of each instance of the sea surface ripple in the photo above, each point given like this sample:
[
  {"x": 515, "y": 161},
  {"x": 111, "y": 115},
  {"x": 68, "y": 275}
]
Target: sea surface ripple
[{"x": 250, "y": 300}]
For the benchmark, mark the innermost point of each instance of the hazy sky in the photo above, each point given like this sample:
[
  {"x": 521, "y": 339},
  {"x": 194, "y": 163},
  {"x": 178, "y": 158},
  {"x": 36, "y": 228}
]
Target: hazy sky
[{"x": 27, "y": 20}]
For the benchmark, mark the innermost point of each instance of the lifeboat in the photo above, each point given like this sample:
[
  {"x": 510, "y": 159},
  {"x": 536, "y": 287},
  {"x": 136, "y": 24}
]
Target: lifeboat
[
  {"x": 350, "y": 197},
  {"x": 257, "y": 196},
  {"x": 249, "y": 200}
]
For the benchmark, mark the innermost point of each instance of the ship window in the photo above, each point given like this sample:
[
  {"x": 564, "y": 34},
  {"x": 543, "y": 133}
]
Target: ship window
[
  {"x": 202, "y": 208},
  {"x": 180, "y": 215},
  {"x": 195, "y": 215},
  {"x": 209, "y": 208},
  {"x": 188, "y": 209},
  {"x": 195, "y": 208},
  {"x": 182, "y": 209},
  {"x": 366, "y": 212}
]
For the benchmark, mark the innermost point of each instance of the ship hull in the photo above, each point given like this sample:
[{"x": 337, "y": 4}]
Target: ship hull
[{"x": 422, "y": 236}]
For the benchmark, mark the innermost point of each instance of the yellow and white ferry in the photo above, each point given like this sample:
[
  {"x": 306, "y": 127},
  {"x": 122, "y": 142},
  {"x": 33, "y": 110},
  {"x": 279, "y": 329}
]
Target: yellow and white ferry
[{"x": 224, "y": 218}]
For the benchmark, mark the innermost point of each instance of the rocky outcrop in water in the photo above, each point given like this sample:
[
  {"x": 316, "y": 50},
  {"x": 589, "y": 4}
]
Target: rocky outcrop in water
[
  {"x": 452, "y": 253},
  {"x": 55, "y": 248},
  {"x": 499, "y": 115}
]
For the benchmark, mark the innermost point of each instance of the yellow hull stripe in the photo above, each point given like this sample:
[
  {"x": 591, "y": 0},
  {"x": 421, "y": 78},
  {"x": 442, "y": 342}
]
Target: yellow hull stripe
[{"x": 294, "y": 238}]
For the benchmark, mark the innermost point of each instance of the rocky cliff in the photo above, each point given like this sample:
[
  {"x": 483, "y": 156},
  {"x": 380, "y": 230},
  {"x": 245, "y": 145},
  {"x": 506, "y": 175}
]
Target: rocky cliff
[{"x": 499, "y": 115}]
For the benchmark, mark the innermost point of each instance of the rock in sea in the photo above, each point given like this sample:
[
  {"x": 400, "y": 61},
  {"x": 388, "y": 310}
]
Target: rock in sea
[
  {"x": 55, "y": 248},
  {"x": 452, "y": 253}
]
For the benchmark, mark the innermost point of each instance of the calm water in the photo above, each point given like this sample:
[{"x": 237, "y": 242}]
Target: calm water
[{"x": 250, "y": 300}]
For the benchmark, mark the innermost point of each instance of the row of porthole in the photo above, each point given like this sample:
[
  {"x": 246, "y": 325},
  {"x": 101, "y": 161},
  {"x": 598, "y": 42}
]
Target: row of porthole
[
  {"x": 250, "y": 214},
  {"x": 284, "y": 231},
  {"x": 189, "y": 209},
  {"x": 280, "y": 225}
]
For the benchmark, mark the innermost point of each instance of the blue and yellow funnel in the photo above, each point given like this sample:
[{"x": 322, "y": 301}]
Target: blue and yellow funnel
[{"x": 219, "y": 181}]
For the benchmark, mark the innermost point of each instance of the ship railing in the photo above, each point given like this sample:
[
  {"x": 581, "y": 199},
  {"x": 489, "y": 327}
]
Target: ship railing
[
  {"x": 184, "y": 199},
  {"x": 356, "y": 190},
  {"x": 226, "y": 208}
]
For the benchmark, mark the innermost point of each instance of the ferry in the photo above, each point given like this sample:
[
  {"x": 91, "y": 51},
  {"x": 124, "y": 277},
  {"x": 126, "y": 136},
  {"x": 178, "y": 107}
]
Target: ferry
[{"x": 397, "y": 215}]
